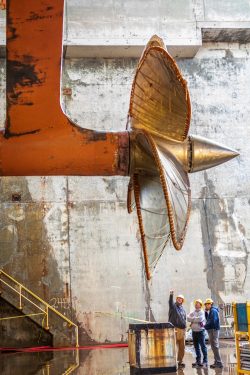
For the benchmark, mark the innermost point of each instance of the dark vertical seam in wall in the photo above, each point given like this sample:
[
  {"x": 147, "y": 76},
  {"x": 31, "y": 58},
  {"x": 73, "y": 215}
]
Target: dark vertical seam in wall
[
  {"x": 66, "y": 28},
  {"x": 210, "y": 255},
  {"x": 204, "y": 10},
  {"x": 68, "y": 230},
  {"x": 65, "y": 33},
  {"x": 149, "y": 316}
]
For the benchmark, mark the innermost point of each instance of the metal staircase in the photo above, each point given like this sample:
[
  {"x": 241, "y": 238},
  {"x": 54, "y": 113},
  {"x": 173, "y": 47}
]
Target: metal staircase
[{"x": 34, "y": 307}]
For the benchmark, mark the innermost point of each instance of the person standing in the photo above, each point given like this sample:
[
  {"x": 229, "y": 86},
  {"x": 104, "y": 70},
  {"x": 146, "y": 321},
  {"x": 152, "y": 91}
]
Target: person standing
[
  {"x": 177, "y": 316},
  {"x": 213, "y": 328},
  {"x": 198, "y": 321}
]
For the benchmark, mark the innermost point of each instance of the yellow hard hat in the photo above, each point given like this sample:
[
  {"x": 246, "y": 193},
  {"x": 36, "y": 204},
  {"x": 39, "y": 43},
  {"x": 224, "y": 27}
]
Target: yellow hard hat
[
  {"x": 181, "y": 296},
  {"x": 208, "y": 300},
  {"x": 199, "y": 301}
]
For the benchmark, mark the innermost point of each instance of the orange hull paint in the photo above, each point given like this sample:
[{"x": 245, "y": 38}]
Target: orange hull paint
[{"x": 39, "y": 139}]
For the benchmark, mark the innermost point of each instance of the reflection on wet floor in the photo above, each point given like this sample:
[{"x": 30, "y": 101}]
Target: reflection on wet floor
[{"x": 100, "y": 362}]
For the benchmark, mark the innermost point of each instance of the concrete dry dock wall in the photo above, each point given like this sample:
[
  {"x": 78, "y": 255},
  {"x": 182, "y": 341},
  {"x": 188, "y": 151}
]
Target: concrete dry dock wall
[{"x": 71, "y": 240}]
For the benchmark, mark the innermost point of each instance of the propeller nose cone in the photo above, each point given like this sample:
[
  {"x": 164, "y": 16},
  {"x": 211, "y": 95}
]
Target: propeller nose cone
[{"x": 207, "y": 154}]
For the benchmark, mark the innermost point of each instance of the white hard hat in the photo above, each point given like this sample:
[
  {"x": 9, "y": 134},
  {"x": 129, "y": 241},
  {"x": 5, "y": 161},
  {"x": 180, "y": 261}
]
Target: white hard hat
[{"x": 181, "y": 296}]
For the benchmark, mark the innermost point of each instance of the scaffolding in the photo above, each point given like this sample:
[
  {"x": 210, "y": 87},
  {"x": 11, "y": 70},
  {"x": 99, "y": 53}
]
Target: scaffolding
[{"x": 242, "y": 336}]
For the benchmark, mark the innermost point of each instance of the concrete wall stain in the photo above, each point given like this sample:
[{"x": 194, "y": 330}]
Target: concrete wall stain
[
  {"x": 26, "y": 253},
  {"x": 27, "y": 332},
  {"x": 227, "y": 256}
]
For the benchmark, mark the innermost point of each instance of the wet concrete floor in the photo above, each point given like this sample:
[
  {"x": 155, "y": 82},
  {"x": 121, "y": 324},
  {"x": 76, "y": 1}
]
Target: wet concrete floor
[{"x": 99, "y": 362}]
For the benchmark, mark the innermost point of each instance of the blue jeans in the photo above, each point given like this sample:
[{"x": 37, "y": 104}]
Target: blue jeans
[{"x": 200, "y": 345}]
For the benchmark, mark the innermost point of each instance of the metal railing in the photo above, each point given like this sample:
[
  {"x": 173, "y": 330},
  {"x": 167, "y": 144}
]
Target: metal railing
[
  {"x": 46, "y": 368},
  {"x": 73, "y": 366},
  {"x": 46, "y": 308}
]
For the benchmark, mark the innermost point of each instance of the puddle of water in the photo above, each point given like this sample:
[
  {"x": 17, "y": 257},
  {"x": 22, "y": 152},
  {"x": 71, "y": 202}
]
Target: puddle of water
[{"x": 98, "y": 362}]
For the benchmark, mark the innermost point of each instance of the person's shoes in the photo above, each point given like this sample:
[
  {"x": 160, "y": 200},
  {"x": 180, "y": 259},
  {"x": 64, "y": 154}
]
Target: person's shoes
[
  {"x": 196, "y": 365},
  {"x": 181, "y": 365},
  {"x": 201, "y": 365},
  {"x": 219, "y": 365},
  {"x": 216, "y": 365},
  {"x": 213, "y": 365}
]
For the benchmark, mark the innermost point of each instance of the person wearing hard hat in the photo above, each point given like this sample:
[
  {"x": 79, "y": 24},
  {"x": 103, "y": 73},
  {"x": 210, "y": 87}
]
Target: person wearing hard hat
[
  {"x": 198, "y": 321},
  {"x": 213, "y": 328},
  {"x": 177, "y": 316}
]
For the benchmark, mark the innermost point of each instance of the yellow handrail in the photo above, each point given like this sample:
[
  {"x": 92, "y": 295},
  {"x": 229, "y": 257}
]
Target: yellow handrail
[
  {"x": 47, "y": 306},
  {"x": 19, "y": 316},
  {"x": 11, "y": 287},
  {"x": 73, "y": 366}
]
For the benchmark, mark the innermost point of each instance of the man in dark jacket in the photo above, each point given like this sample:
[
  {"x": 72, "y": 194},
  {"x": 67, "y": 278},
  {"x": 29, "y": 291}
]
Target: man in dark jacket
[
  {"x": 177, "y": 316},
  {"x": 213, "y": 328}
]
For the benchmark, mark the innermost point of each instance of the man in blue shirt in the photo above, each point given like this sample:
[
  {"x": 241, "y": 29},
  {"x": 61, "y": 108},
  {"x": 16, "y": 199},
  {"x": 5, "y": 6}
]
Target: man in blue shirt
[{"x": 213, "y": 328}]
